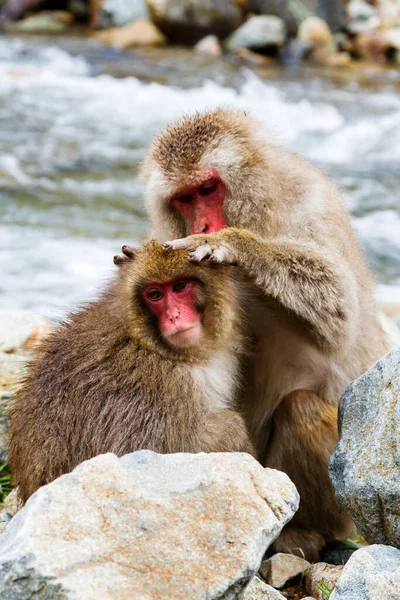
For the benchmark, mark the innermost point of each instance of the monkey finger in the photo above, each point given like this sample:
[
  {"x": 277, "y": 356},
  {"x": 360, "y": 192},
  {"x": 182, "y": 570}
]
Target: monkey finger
[
  {"x": 223, "y": 254},
  {"x": 201, "y": 253}
]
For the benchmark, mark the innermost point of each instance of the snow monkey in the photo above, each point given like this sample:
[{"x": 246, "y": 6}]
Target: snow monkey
[
  {"x": 152, "y": 364},
  {"x": 236, "y": 197}
]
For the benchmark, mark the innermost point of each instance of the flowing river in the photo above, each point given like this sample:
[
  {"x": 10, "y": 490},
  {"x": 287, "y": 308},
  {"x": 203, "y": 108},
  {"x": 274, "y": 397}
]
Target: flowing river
[{"x": 75, "y": 121}]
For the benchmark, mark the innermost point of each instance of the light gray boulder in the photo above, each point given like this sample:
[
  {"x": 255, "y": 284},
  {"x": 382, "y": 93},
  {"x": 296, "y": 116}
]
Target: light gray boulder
[
  {"x": 258, "y": 33},
  {"x": 365, "y": 463},
  {"x": 117, "y": 13},
  {"x": 146, "y": 526},
  {"x": 372, "y": 573}
]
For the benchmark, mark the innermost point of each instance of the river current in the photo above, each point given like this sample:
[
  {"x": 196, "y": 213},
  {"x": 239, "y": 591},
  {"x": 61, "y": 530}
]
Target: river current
[{"x": 75, "y": 121}]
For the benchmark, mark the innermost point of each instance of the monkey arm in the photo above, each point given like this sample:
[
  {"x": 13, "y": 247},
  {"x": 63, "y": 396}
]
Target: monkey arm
[
  {"x": 297, "y": 275},
  {"x": 225, "y": 431}
]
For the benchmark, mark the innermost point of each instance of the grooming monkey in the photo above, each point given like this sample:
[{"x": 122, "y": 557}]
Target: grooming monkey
[
  {"x": 154, "y": 363},
  {"x": 236, "y": 197}
]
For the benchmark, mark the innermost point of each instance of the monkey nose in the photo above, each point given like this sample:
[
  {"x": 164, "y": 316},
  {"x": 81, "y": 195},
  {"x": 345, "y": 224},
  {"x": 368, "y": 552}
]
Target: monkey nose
[{"x": 204, "y": 229}]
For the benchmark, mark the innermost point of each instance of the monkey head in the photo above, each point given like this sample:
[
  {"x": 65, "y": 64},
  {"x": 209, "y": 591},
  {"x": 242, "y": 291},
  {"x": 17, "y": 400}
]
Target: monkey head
[
  {"x": 174, "y": 306},
  {"x": 206, "y": 172}
]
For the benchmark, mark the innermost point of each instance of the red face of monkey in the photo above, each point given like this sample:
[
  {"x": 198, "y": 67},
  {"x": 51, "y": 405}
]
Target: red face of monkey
[
  {"x": 201, "y": 205},
  {"x": 174, "y": 304}
]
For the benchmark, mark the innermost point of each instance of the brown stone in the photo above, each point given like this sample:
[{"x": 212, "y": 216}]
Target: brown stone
[
  {"x": 138, "y": 33},
  {"x": 321, "y": 579},
  {"x": 283, "y": 569}
]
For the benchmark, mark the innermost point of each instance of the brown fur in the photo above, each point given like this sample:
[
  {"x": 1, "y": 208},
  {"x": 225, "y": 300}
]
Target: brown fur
[
  {"x": 105, "y": 381},
  {"x": 313, "y": 314}
]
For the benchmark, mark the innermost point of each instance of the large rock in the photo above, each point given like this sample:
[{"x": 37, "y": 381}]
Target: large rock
[
  {"x": 365, "y": 464},
  {"x": 372, "y": 573},
  {"x": 294, "y": 12},
  {"x": 187, "y": 21},
  {"x": 258, "y": 33},
  {"x": 146, "y": 526},
  {"x": 117, "y": 13}
]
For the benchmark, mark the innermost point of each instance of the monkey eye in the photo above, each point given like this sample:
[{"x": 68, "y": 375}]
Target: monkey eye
[
  {"x": 207, "y": 188},
  {"x": 185, "y": 198},
  {"x": 154, "y": 295},
  {"x": 179, "y": 286}
]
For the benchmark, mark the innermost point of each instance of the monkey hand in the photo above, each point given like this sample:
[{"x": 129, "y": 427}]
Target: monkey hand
[{"x": 216, "y": 247}]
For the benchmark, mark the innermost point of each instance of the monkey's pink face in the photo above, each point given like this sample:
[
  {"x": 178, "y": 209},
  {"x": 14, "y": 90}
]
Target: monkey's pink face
[
  {"x": 201, "y": 205},
  {"x": 174, "y": 304}
]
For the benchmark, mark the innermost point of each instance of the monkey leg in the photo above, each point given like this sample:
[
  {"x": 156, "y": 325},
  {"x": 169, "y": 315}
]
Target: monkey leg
[
  {"x": 304, "y": 433},
  {"x": 226, "y": 431}
]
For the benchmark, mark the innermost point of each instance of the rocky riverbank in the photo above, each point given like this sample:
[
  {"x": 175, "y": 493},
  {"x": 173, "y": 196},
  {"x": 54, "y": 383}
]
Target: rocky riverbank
[
  {"x": 199, "y": 526},
  {"x": 335, "y": 33}
]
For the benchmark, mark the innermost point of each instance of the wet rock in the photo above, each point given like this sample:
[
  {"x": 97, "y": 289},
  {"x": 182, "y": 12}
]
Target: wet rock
[
  {"x": 362, "y": 17},
  {"x": 258, "y": 590},
  {"x": 21, "y": 329},
  {"x": 372, "y": 573},
  {"x": 79, "y": 8},
  {"x": 209, "y": 45},
  {"x": 14, "y": 9},
  {"x": 138, "y": 33},
  {"x": 55, "y": 21},
  {"x": 364, "y": 465},
  {"x": 316, "y": 32},
  {"x": 149, "y": 525},
  {"x": 258, "y": 33},
  {"x": 389, "y": 11},
  {"x": 321, "y": 580},
  {"x": 283, "y": 569},
  {"x": 372, "y": 47},
  {"x": 278, "y": 8},
  {"x": 253, "y": 57},
  {"x": 187, "y": 22},
  {"x": 294, "y": 12},
  {"x": 117, "y": 13}
]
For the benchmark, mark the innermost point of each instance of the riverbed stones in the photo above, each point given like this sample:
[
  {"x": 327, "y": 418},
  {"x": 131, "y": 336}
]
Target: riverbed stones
[
  {"x": 259, "y": 590},
  {"x": 372, "y": 573},
  {"x": 209, "y": 46},
  {"x": 282, "y": 568},
  {"x": 364, "y": 466},
  {"x": 147, "y": 526},
  {"x": 187, "y": 22},
  {"x": 315, "y": 31},
  {"x": 138, "y": 33},
  {"x": 259, "y": 33}
]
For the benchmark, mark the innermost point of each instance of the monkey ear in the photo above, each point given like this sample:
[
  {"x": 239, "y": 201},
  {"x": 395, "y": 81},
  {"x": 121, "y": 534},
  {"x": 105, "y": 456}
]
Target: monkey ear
[{"x": 130, "y": 254}]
